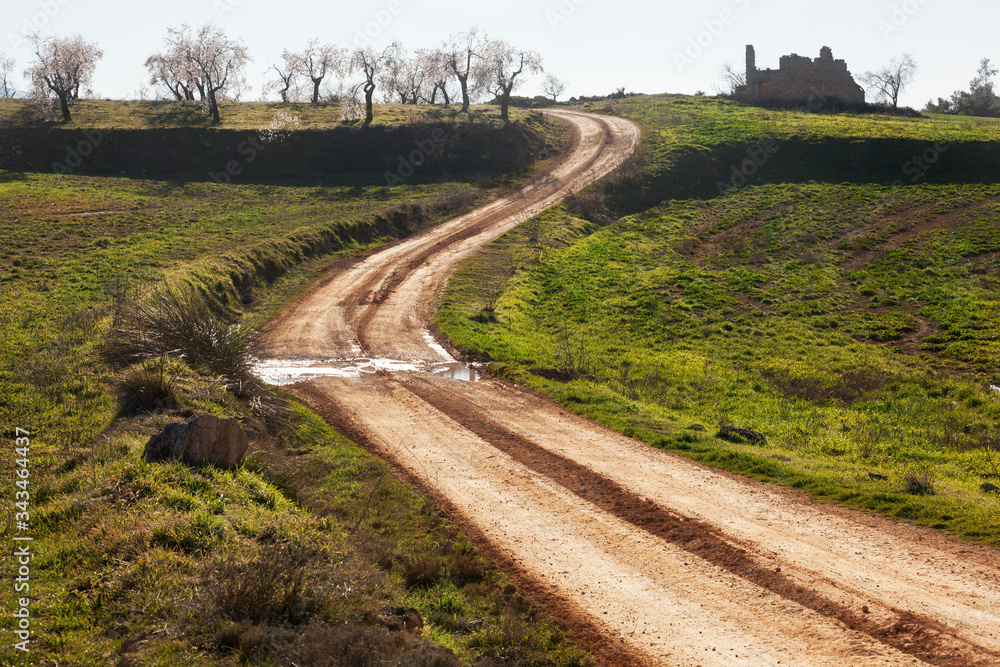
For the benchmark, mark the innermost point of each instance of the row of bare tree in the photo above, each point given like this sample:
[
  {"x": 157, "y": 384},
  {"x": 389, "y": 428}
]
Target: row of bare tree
[{"x": 205, "y": 65}]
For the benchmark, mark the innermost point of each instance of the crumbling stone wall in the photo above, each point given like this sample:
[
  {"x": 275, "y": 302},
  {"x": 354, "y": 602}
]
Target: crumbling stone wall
[{"x": 801, "y": 80}]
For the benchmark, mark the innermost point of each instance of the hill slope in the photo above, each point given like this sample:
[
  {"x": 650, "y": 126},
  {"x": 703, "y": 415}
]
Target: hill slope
[
  {"x": 850, "y": 321},
  {"x": 308, "y": 551}
]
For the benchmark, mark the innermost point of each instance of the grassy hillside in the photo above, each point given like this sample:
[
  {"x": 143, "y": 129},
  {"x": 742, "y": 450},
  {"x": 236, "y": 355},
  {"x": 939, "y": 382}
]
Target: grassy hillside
[
  {"x": 162, "y": 139},
  {"x": 160, "y": 115},
  {"x": 850, "y": 321},
  {"x": 309, "y": 550},
  {"x": 692, "y": 145}
]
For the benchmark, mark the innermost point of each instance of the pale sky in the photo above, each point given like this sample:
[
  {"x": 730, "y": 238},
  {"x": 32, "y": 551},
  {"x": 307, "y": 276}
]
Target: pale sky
[{"x": 596, "y": 45}]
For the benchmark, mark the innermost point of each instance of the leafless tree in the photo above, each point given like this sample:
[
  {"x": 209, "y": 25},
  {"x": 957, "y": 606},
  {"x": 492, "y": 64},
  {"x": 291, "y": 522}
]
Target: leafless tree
[
  {"x": 172, "y": 71},
  {"x": 890, "y": 80},
  {"x": 554, "y": 87},
  {"x": 61, "y": 66},
  {"x": 319, "y": 61},
  {"x": 6, "y": 69},
  {"x": 288, "y": 73},
  {"x": 404, "y": 79},
  {"x": 436, "y": 75},
  {"x": 507, "y": 64},
  {"x": 464, "y": 55},
  {"x": 372, "y": 63},
  {"x": 732, "y": 79},
  {"x": 214, "y": 60}
]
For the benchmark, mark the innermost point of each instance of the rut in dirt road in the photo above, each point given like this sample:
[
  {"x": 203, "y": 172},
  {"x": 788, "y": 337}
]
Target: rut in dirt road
[{"x": 648, "y": 557}]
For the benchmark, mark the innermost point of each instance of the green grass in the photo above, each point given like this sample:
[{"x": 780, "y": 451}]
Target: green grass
[
  {"x": 854, "y": 324},
  {"x": 159, "y": 115},
  {"x": 310, "y": 542}
]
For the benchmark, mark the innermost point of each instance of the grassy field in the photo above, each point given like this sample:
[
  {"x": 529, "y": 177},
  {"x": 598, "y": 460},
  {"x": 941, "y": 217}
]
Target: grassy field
[
  {"x": 853, "y": 324},
  {"x": 310, "y": 548},
  {"x": 159, "y": 115}
]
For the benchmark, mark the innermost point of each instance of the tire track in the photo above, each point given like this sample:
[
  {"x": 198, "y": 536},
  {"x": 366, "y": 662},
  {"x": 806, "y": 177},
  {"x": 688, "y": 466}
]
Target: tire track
[
  {"x": 916, "y": 635},
  {"x": 648, "y": 558}
]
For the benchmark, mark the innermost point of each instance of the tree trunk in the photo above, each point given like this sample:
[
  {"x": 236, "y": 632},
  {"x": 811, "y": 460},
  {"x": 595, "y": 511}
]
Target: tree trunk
[
  {"x": 369, "y": 112},
  {"x": 464, "y": 80},
  {"x": 505, "y": 104},
  {"x": 64, "y": 105},
  {"x": 316, "y": 83},
  {"x": 444, "y": 91},
  {"x": 214, "y": 104}
]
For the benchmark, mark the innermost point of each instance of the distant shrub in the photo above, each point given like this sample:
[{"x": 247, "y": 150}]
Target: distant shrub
[
  {"x": 179, "y": 323},
  {"x": 268, "y": 587},
  {"x": 919, "y": 483},
  {"x": 422, "y": 570},
  {"x": 147, "y": 386}
]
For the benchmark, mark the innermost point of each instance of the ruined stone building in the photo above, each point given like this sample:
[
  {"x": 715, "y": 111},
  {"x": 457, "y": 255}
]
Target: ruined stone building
[{"x": 801, "y": 80}]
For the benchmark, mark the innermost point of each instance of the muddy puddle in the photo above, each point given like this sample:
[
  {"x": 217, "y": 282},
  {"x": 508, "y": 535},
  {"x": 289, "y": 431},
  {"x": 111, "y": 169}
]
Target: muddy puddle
[{"x": 282, "y": 372}]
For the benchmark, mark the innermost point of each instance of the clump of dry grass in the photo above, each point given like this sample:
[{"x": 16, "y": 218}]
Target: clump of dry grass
[{"x": 180, "y": 324}]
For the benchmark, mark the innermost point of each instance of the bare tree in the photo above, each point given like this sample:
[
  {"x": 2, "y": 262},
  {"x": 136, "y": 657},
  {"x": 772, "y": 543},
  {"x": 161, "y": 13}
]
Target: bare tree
[
  {"x": 6, "y": 69},
  {"x": 464, "y": 54},
  {"x": 172, "y": 71},
  {"x": 403, "y": 79},
  {"x": 553, "y": 87},
  {"x": 216, "y": 61},
  {"x": 889, "y": 81},
  {"x": 62, "y": 65},
  {"x": 372, "y": 63},
  {"x": 507, "y": 64},
  {"x": 436, "y": 74},
  {"x": 288, "y": 72},
  {"x": 320, "y": 60},
  {"x": 732, "y": 80}
]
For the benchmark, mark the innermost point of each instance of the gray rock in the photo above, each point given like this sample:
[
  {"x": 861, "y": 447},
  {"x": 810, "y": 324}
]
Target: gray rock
[
  {"x": 989, "y": 488},
  {"x": 198, "y": 440},
  {"x": 877, "y": 475},
  {"x": 744, "y": 434}
]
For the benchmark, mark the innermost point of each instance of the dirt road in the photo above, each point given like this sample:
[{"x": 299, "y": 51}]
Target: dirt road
[{"x": 650, "y": 558}]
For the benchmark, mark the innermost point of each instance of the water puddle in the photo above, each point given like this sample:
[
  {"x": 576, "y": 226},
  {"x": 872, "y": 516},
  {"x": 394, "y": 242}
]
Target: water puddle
[{"x": 281, "y": 371}]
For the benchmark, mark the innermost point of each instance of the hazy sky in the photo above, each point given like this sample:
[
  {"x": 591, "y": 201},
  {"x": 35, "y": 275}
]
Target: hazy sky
[{"x": 596, "y": 45}]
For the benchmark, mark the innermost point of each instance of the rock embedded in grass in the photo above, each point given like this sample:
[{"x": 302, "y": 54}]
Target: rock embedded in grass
[{"x": 199, "y": 440}]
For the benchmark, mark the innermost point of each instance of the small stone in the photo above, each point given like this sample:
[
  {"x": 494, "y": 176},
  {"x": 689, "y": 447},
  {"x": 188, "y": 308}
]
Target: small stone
[
  {"x": 989, "y": 488},
  {"x": 864, "y": 609}
]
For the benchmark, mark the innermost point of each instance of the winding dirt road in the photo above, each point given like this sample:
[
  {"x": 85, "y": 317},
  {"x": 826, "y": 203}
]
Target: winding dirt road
[{"x": 648, "y": 557}]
